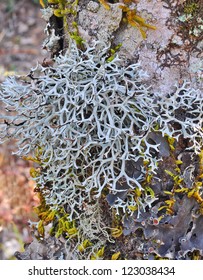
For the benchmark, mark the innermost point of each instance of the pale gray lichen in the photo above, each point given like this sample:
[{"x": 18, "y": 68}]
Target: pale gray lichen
[
  {"x": 51, "y": 42},
  {"x": 47, "y": 13},
  {"x": 93, "y": 122}
]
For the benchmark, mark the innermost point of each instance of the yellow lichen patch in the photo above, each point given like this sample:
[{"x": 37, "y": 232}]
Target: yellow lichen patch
[
  {"x": 177, "y": 179},
  {"x": 132, "y": 208},
  {"x": 42, "y": 3},
  {"x": 40, "y": 228},
  {"x": 53, "y": 1},
  {"x": 150, "y": 191},
  {"x": 64, "y": 226},
  {"x": 36, "y": 157},
  {"x": 84, "y": 245},
  {"x": 182, "y": 190},
  {"x": 195, "y": 192},
  {"x": 75, "y": 35},
  {"x": 105, "y": 4},
  {"x": 50, "y": 216},
  {"x": 128, "y": 2},
  {"x": 171, "y": 142},
  {"x": 136, "y": 21},
  {"x": 178, "y": 162},
  {"x": 115, "y": 256},
  {"x": 169, "y": 206},
  {"x": 196, "y": 255},
  {"x": 113, "y": 52},
  {"x": 177, "y": 188},
  {"x": 116, "y": 232},
  {"x": 167, "y": 192},
  {"x": 63, "y": 9},
  {"x": 98, "y": 255},
  {"x": 201, "y": 165},
  {"x": 59, "y": 218},
  {"x": 59, "y": 13},
  {"x": 34, "y": 172},
  {"x": 30, "y": 158},
  {"x": 58, "y": 8}
]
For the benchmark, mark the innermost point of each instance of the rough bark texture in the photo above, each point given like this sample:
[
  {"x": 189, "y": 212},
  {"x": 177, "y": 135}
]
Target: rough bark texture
[{"x": 170, "y": 54}]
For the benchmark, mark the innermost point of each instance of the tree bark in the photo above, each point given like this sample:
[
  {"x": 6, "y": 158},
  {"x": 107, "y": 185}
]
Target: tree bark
[{"x": 170, "y": 54}]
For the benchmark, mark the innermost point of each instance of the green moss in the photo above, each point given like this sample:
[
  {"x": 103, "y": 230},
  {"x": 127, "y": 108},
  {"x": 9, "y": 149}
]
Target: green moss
[
  {"x": 63, "y": 8},
  {"x": 75, "y": 35},
  {"x": 191, "y": 8},
  {"x": 61, "y": 224},
  {"x": 113, "y": 52},
  {"x": 98, "y": 255}
]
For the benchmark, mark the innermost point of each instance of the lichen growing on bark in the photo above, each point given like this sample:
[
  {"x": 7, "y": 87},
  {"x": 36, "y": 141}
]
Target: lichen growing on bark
[{"x": 101, "y": 138}]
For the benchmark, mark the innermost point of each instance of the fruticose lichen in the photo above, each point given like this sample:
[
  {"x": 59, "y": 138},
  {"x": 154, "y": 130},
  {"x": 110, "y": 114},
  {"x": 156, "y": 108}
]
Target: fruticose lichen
[{"x": 98, "y": 135}]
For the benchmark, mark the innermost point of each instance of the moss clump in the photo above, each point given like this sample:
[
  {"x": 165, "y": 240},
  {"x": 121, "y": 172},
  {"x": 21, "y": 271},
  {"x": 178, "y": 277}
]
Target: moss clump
[{"x": 191, "y": 8}]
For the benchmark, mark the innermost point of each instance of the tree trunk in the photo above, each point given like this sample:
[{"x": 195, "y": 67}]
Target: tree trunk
[{"x": 146, "y": 203}]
